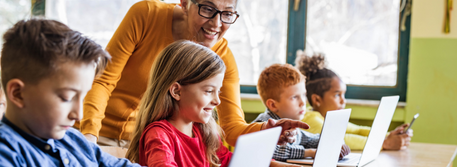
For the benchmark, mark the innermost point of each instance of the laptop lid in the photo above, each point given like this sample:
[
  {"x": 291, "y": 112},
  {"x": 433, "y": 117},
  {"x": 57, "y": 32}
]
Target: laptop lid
[
  {"x": 255, "y": 149},
  {"x": 332, "y": 137},
  {"x": 379, "y": 129}
]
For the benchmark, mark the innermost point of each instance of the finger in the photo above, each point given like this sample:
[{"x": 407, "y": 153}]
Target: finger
[
  {"x": 299, "y": 124},
  {"x": 290, "y": 132},
  {"x": 291, "y": 139},
  {"x": 410, "y": 133},
  {"x": 282, "y": 140},
  {"x": 405, "y": 125},
  {"x": 397, "y": 131},
  {"x": 271, "y": 123}
]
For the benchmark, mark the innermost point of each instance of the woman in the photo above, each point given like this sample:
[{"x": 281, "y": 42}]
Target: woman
[{"x": 147, "y": 28}]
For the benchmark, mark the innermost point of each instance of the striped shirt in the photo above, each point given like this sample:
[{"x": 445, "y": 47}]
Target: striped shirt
[{"x": 296, "y": 150}]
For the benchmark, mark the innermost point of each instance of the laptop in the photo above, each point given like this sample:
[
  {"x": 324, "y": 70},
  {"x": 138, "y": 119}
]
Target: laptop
[
  {"x": 375, "y": 139},
  {"x": 331, "y": 139},
  {"x": 255, "y": 149}
]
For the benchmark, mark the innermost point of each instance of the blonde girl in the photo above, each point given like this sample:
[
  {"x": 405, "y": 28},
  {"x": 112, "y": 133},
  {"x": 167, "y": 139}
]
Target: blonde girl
[{"x": 175, "y": 125}]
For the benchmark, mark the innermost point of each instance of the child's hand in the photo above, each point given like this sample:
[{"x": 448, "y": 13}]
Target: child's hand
[
  {"x": 289, "y": 126},
  {"x": 310, "y": 153},
  {"x": 345, "y": 150},
  {"x": 282, "y": 164},
  {"x": 397, "y": 140}
]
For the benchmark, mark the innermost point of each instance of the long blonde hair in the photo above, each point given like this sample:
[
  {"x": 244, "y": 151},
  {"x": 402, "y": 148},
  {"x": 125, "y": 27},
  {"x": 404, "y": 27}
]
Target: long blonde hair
[{"x": 187, "y": 63}]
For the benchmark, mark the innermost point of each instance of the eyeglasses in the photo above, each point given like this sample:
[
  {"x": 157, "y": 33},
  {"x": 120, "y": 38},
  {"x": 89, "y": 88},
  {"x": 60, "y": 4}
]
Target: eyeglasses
[{"x": 210, "y": 12}]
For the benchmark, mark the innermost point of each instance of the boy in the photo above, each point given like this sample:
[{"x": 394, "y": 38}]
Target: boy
[
  {"x": 2, "y": 101},
  {"x": 47, "y": 69},
  {"x": 282, "y": 90}
]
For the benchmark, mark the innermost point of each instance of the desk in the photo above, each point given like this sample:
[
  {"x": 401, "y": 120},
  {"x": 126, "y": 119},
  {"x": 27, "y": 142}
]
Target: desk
[{"x": 417, "y": 155}]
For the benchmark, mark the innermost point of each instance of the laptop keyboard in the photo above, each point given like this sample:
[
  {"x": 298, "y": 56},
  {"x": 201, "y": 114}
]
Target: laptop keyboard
[{"x": 350, "y": 159}]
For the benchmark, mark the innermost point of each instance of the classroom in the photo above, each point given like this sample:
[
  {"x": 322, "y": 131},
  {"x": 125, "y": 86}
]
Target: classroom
[{"x": 377, "y": 48}]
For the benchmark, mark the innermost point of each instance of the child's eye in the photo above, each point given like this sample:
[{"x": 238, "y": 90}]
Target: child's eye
[
  {"x": 209, "y": 91},
  {"x": 65, "y": 99}
]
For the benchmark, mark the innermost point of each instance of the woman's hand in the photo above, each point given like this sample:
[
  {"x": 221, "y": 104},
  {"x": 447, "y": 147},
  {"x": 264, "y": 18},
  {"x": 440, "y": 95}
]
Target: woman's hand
[
  {"x": 288, "y": 131},
  {"x": 282, "y": 164},
  {"x": 345, "y": 150}
]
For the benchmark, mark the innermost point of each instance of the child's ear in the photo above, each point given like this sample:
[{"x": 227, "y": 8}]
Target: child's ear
[
  {"x": 14, "y": 92},
  {"x": 271, "y": 105},
  {"x": 317, "y": 100},
  {"x": 175, "y": 91}
]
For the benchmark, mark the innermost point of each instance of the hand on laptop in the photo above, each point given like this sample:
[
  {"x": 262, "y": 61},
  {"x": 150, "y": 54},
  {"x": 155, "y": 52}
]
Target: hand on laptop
[
  {"x": 289, "y": 126},
  {"x": 398, "y": 140},
  {"x": 345, "y": 150}
]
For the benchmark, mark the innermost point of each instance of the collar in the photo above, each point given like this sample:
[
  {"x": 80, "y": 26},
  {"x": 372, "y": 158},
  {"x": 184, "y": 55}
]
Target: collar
[
  {"x": 45, "y": 145},
  {"x": 272, "y": 114}
]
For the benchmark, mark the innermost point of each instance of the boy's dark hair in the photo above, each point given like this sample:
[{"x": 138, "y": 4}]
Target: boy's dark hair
[
  {"x": 34, "y": 49},
  {"x": 318, "y": 77}
]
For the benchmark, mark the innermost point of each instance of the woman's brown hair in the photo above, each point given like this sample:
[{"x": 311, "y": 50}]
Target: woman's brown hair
[{"x": 184, "y": 62}]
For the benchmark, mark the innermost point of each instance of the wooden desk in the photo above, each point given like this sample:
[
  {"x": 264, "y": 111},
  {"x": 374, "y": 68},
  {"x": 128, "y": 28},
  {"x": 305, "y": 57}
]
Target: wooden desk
[{"x": 417, "y": 155}]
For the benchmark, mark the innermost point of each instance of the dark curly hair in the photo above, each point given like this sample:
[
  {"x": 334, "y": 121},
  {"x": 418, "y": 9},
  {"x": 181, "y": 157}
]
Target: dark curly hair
[{"x": 318, "y": 77}]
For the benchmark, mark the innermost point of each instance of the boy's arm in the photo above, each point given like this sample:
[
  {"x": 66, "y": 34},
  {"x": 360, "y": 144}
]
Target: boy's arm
[
  {"x": 297, "y": 150},
  {"x": 120, "y": 48},
  {"x": 289, "y": 151},
  {"x": 9, "y": 157},
  {"x": 309, "y": 140}
]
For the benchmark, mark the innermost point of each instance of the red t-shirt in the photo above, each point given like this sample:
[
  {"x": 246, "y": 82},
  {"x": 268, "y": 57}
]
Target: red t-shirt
[{"x": 161, "y": 144}]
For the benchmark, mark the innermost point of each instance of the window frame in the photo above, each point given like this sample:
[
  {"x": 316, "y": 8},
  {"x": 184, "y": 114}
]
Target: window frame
[{"x": 296, "y": 35}]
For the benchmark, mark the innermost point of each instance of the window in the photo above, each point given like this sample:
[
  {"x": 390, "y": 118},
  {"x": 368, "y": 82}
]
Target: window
[
  {"x": 95, "y": 19},
  {"x": 11, "y": 11},
  {"x": 363, "y": 43},
  {"x": 259, "y": 37},
  {"x": 361, "y": 39}
]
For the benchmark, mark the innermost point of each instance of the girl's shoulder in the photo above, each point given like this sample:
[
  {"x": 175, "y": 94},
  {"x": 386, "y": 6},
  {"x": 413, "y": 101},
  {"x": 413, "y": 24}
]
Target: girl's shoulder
[{"x": 160, "y": 128}]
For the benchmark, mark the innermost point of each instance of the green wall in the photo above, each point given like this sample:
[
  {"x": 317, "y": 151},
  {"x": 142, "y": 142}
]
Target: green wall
[{"x": 432, "y": 89}]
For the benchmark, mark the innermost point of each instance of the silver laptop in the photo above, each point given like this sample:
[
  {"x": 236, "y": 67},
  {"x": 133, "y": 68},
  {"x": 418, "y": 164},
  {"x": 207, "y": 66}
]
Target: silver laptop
[
  {"x": 255, "y": 149},
  {"x": 376, "y": 137},
  {"x": 331, "y": 139}
]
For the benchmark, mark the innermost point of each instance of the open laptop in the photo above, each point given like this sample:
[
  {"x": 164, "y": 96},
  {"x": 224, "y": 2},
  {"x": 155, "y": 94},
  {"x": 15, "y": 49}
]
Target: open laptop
[
  {"x": 331, "y": 139},
  {"x": 375, "y": 139},
  {"x": 255, "y": 149}
]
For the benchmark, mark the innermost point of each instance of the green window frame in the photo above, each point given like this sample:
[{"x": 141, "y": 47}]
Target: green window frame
[{"x": 296, "y": 40}]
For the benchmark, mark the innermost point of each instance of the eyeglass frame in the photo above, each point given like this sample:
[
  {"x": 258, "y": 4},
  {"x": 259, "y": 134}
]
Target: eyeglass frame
[{"x": 217, "y": 12}]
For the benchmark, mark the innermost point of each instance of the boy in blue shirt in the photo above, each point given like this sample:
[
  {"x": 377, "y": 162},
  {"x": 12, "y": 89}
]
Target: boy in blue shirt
[{"x": 47, "y": 69}]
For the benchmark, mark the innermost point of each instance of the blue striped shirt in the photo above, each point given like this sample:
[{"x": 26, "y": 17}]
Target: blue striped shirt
[{"x": 296, "y": 150}]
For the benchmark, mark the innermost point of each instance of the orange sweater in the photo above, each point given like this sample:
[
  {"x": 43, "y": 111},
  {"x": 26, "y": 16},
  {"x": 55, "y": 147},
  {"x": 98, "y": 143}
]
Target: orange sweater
[{"x": 111, "y": 106}]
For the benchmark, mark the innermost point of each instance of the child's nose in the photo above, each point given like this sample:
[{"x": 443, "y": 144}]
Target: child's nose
[
  {"x": 302, "y": 101},
  {"x": 216, "y": 99},
  {"x": 76, "y": 112}
]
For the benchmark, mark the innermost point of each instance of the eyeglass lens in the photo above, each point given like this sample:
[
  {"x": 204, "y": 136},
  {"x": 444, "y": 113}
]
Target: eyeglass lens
[{"x": 210, "y": 12}]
